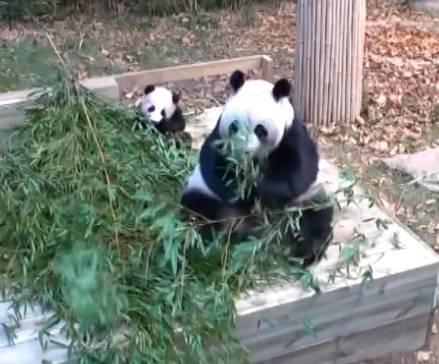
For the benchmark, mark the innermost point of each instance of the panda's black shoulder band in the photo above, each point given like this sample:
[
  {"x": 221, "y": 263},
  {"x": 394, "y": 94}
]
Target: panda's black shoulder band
[
  {"x": 176, "y": 97},
  {"x": 237, "y": 79},
  {"x": 282, "y": 88},
  {"x": 149, "y": 89}
]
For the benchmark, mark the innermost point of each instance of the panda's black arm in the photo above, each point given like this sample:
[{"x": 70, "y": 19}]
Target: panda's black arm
[
  {"x": 274, "y": 193},
  {"x": 291, "y": 169},
  {"x": 174, "y": 124},
  {"x": 280, "y": 189}
]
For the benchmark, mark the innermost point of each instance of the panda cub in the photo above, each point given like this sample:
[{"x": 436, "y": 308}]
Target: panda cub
[
  {"x": 288, "y": 173},
  {"x": 160, "y": 107}
]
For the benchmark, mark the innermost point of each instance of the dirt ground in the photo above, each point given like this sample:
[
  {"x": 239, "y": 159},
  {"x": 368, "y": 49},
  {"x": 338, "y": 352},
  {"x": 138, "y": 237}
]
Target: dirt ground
[{"x": 401, "y": 86}]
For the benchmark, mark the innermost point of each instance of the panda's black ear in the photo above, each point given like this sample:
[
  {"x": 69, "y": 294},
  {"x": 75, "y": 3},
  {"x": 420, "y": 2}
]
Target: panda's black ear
[
  {"x": 237, "y": 79},
  {"x": 282, "y": 88},
  {"x": 176, "y": 97},
  {"x": 149, "y": 89}
]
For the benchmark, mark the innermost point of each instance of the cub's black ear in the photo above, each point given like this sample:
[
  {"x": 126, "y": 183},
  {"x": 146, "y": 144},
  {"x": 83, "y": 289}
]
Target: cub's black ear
[
  {"x": 237, "y": 79},
  {"x": 149, "y": 89},
  {"x": 282, "y": 88},
  {"x": 176, "y": 97}
]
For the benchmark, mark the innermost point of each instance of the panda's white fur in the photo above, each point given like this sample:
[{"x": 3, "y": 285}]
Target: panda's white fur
[
  {"x": 196, "y": 182},
  {"x": 159, "y": 99}
]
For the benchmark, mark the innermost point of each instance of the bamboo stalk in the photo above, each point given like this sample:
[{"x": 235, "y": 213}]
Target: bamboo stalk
[
  {"x": 333, "y": 69},
  {"x": 328, "y": 63},
  {"x": 322, "y": 59},
  {"x": 318, "y": 61},
  {"x": 298, "y": 58},
  {"x": 354, "y": 45},
  {"x": 313, "y": 60},
  {"x": 339, "y": 63},
  {"x": 344, "y": 55},
  {"x": 362, "y": 26},
  {"x": 302, "y": 61},
  {"x": 307, "y": 94},
  {"x": 326, "y": 17},
  {"x": 334, "y": 25},
  {"x": 349, "y": 61}
]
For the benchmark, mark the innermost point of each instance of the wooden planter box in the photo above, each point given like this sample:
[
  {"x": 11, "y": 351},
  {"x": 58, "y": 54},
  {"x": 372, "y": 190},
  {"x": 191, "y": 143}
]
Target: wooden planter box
[{"x": 351, "y": 321}]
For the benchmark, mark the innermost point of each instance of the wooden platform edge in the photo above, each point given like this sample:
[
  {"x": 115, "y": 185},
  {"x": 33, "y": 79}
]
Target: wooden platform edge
[
  {"x": 136, "y": 80},
  {"x": 111, "y": 88},
  {"x": 278, "y": 330}
]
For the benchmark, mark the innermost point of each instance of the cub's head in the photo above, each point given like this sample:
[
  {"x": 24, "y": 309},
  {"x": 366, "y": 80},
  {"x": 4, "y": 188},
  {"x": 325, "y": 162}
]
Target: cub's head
[{"x": 158, "y": 103}]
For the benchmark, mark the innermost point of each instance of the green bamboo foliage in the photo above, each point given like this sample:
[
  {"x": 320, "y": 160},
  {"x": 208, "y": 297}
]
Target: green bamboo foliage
[{"x": 91, "y": 227}]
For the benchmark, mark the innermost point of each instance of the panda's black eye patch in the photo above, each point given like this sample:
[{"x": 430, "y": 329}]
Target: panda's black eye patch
[
  {"x": 261, "y": 132},
  {"x": 163, "y": 113},
  {"x": 151, "y": 108},
  {"x": 233, "y": 128}
]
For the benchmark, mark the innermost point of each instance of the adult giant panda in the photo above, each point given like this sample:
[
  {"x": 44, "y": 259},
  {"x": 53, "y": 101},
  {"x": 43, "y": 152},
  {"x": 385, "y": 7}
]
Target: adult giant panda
[{"x": 289, "y": 169}]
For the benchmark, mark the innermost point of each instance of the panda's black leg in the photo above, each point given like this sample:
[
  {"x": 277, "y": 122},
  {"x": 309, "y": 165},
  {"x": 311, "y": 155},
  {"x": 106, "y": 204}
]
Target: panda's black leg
[
  {"x": 315, "y": 235},
  {"x": 222, "y": 215}
]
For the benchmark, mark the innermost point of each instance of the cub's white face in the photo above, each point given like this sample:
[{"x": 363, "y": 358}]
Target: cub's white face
[
  {"x": 255, "y": 117},
  {"x": 157, "y": 104}
]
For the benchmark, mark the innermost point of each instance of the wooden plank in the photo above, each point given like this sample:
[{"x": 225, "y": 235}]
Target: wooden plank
[
  {"x": 136, "y": 80},
  {"x": 30, "y": 352},
  {"x": 105, "y": 88},
  {"x": 285, "y": 331},
  {"x": 13, "y": 106},
  {"x": 402, "y": 335},
  {"x": 12, "y": 110},
  {"x": 267, "y": 68},
  {"x": 272, "y": 303}
]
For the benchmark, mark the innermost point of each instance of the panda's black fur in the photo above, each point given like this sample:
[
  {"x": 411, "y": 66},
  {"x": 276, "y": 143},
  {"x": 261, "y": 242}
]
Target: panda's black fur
[{"x": 289, "y": 172}]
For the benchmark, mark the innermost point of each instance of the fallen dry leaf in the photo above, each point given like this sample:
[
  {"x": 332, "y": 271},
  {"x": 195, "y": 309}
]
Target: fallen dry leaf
[{"x": 423, "y": 356}]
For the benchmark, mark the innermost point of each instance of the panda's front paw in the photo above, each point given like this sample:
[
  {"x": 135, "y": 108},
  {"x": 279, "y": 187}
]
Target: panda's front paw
[{"x": 273, "y": 194}]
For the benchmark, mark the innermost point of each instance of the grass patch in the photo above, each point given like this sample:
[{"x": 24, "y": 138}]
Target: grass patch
[
  {"x": 31, "y": 62},
  {"x": 86, "y": 53},
  {"x": 28, "y": 64}
]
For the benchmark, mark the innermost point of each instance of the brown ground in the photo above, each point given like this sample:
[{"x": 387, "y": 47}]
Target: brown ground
[{"x": 401, "y": 87}]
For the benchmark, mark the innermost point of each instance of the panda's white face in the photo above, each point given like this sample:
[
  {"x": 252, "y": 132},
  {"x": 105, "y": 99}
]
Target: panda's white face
[
  {"x": 157, "y": 104},
  {"x": 254, "y": 116}
]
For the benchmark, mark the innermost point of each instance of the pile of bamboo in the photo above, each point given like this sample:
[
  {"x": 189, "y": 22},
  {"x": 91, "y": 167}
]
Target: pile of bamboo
[{"x": 329, "y": 60}]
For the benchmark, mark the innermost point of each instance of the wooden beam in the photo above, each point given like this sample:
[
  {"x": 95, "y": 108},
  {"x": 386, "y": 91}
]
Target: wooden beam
[
  {"x": 105, "y": 88},
  {"x": 267, "y": 68},
  {"x": 129, "y": 81}
]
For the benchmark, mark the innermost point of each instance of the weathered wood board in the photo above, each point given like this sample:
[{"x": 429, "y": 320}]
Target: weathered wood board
[{"x": 351, "y": 321}]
